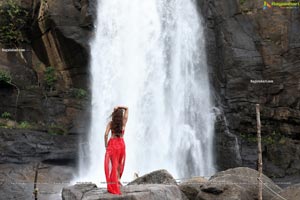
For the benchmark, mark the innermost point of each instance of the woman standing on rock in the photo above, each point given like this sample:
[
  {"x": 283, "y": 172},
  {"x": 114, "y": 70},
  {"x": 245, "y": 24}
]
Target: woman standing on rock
[{"x": 115, "y": 149}]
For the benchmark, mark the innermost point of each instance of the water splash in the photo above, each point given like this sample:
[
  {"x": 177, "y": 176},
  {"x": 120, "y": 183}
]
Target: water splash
[{"x": 150, "y": 56}]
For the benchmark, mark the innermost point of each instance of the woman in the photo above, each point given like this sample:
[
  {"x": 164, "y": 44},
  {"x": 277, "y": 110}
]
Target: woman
[{"x": 115, "y": 149}]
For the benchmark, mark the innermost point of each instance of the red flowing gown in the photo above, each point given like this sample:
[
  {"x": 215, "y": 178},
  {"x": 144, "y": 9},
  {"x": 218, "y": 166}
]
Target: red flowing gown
[{"x": 114, "y": 163}]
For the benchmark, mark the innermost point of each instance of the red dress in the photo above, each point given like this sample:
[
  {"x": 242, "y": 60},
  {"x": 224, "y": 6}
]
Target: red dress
[{"x": 114, "y": 163}]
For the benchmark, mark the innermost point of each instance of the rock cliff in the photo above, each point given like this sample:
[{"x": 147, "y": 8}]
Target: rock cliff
[
  {"x": 247, "y": 44},
  {"x": 56, "y": 38}
]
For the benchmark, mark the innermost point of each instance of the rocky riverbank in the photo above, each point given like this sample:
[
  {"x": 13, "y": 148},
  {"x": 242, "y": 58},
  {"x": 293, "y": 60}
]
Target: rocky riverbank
[{"x": 233, "y": 184}]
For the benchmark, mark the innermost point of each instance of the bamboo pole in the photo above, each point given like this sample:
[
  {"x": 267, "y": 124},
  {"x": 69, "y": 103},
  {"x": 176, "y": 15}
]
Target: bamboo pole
[
  {"x": 35, "y": 189},
  {"x": 259, "y": 152}
]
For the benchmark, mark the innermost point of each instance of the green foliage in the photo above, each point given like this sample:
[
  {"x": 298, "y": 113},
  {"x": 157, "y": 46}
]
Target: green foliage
[
  {"x": 13, "y": 20},
  {"x": 249, "y": 138},
  {"x": 242, "y": 2},
  {"x": 5, "y": 76},
  {"x": 6, "y": 115},
  {"x": 79, "y": 93},
  {"x": 55, "y": 129},
  {"x": 269, "y": 139},
  {"x": 24, "y": 125},
  {"x": 50, "y": 77}
]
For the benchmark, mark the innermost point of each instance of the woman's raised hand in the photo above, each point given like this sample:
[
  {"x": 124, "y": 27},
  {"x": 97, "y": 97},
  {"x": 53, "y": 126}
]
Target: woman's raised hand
[{"x": 121, "y": 107}]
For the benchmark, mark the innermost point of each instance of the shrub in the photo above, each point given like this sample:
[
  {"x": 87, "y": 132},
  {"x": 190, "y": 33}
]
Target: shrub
[
  {"x": 5, "y": 76},
  {"x": 54, "y": 129},
  {"x": 24, "y": 125},
  {"x": 50, "y": 77},
  {"x": 80, "y": 93},
  {"x": 6, "y": 115},
  {"x": 242, "y": 2},
  {"x": 13, "y": 22},
  {"x": 270, "y": 139}
]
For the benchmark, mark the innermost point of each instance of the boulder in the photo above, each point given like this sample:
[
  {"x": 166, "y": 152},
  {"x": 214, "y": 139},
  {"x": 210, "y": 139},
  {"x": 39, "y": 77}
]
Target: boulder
[
  {"x": 235, "y": 183},
  {"x": 77, "y": 191},
  {"x": 129, "y": 192},
  {"x": 192, "y": 187},
  {"x": 224, "y": 191},
  {"x": 290, "y": 193},
  {"x": 156, "y": 177}
]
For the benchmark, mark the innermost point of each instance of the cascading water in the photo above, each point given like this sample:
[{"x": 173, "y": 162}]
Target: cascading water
[{"x": 150, "y": 56}]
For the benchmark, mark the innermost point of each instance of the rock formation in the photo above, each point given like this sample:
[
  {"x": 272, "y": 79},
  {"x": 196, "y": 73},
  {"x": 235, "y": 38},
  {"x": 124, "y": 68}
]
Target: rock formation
[
  {"x": 247, "y": 43},
  {"x": 291, "y": 193},
  {"x": 234, "y": 184}
]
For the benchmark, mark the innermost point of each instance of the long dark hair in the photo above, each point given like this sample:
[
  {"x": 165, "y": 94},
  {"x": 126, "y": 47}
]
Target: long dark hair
[{"x": 117, "y": 122}]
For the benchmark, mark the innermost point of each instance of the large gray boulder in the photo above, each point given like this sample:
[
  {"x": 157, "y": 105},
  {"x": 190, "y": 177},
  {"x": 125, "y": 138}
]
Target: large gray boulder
[
  {"x": 77, "y": 191},
  {"x": 238, "y": 183},
  {"x": 192, "y": 187},
  {"x": 290, "y": 193},
  {"x": 156, "y": 177},
  {"x": 226, "y": 191},
  {"x": 129, "y": 192}
]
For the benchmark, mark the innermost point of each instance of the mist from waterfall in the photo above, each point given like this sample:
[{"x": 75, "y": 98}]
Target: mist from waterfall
[{"x": 150, "y": 56}]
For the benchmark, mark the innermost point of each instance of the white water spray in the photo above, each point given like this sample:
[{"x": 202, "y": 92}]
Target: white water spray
[{"x": 150, "y": 56}]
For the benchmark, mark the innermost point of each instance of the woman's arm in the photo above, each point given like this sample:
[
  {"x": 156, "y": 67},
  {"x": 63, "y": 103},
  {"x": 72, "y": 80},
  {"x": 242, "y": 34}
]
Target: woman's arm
[
  {"x": 125, "y": 118},
  {"x": 108, "y": 127}
]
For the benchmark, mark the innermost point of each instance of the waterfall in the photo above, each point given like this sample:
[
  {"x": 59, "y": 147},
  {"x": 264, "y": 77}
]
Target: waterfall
[{"x": 150, "y": 56}]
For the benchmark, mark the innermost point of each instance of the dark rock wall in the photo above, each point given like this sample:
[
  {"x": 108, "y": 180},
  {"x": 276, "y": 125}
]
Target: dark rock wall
[
  {"x": 247, "y": 43},
  {"x": 58, "y": 34},
  {"x": 60, "y": 37}
]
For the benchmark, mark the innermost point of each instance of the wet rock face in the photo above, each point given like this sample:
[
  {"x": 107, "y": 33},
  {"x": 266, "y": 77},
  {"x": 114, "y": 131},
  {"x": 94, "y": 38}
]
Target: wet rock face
[{"x": 244, "y": 43}]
